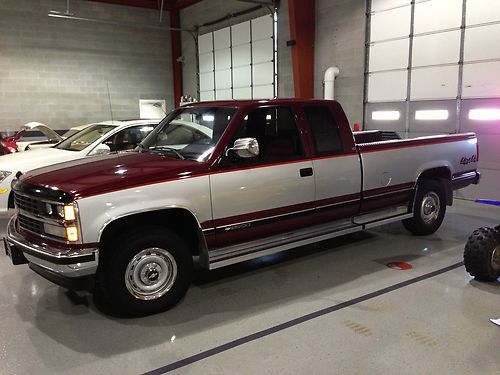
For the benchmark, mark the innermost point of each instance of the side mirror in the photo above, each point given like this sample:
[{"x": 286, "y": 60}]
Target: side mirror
[
  {"x": 244, "y": 148},
  {"x": 100, "y": 149}
]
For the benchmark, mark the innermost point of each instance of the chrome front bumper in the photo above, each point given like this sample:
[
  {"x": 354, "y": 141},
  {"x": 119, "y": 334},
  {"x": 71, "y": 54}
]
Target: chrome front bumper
[{"x": 63, "y": 262}]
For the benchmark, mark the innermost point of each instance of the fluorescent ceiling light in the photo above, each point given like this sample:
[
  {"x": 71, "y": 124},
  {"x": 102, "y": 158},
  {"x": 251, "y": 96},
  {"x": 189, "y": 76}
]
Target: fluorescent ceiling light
[
  {"x": 434, "y": 114},
  {"x": 484, "y": 114},
  {"x": 208, "y": 118},
  {"x": 386, "y": 115}
]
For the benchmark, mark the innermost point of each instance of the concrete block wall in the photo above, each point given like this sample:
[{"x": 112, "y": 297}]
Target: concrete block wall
[
  {"x": 340, "y": 41},
  {"x": 210, "y": 10},
  {"x": 57, "y": 71}
]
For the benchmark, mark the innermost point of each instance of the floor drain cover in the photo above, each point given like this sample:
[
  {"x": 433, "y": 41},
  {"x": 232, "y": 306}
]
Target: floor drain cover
[{"x": 399, "y": 266}]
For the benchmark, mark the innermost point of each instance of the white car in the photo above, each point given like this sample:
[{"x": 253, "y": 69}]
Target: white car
[
  {"x": 95, "y": 139},
  {"x": 52, "y": 137}
]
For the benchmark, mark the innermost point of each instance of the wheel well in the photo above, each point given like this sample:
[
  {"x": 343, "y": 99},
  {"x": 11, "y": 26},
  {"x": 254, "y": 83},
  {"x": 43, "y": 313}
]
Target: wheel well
[
  {"x": 443, "y": 176},
  {"x": 179, "y": 220},
  {"x": 435, "y": 174}
]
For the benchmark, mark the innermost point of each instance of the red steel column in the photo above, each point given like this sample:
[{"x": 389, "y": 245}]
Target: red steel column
[
  {"x": 176, "y": 53},
  {"x": 302, "y": 30}
]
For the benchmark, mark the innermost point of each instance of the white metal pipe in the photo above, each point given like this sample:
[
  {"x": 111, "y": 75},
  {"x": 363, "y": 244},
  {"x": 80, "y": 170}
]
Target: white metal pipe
[{"x": 329, "y": 82}]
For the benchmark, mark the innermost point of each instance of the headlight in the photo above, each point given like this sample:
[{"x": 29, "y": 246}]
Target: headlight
[
  {"x": 69, "y": 213},
  {"x": 4, "y": 175}
]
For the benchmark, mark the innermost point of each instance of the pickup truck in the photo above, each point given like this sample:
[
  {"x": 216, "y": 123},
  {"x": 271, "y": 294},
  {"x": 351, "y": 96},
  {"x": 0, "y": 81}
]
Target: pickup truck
[{"x": 221, "y": 183}]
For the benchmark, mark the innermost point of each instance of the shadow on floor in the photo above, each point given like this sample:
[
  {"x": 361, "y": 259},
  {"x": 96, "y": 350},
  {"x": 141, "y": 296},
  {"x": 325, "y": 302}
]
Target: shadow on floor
[{"x": 222, "y": 297}]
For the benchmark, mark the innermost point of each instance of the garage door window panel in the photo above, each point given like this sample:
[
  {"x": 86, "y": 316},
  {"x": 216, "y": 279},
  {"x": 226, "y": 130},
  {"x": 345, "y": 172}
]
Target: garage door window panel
[
  {"x": 482, "y": 43},
  {"x": 389, "y": 55},
  {"x": 387, "y": 86},
  {"x": 437, "y": 15},
  {"x": 436, "y": 49},
  {"x": 481, "y": 80},
  {"x": 391, "y": 24},
  {"x": 434, "y": 83},
  {"x": 482, "y": 11}
]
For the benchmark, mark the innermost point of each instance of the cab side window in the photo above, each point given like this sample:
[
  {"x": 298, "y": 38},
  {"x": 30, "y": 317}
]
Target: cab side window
[
  {"x": 128, "y": 139},
  {"x": 276, "y": 131},
  {"x": 324, "y": 129}
]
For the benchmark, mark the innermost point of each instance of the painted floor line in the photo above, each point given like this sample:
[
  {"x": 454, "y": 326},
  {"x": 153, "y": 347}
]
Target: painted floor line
[{"x": 280, "y": 327}]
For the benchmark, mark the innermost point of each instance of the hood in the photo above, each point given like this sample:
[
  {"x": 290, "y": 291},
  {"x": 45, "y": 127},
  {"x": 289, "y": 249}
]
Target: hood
[
  {"x": 48, "y": 132},
  {"x": 26, "y": 161},
  {"x": 116, "y": 171}
]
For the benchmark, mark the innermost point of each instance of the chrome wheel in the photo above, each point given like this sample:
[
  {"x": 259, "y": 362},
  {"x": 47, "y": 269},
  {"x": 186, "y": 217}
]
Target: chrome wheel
[
  {"x": 151, "y": 273},
  {"x": 495, "y": 258},
  {"x": 429, "y": 211}
]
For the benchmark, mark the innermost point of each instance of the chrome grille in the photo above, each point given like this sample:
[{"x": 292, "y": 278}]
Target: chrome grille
[
  {"x": 32, "y": 213},
  {"x": 28, "y": 204},
  {"x": 30, "y": 224}
]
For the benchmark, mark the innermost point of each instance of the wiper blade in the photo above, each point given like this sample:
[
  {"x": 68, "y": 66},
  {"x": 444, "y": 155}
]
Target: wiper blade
[{"x": 168, "y": 149}]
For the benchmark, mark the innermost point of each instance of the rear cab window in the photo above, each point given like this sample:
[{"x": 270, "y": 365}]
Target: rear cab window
[{"x": 324, "y": 129}]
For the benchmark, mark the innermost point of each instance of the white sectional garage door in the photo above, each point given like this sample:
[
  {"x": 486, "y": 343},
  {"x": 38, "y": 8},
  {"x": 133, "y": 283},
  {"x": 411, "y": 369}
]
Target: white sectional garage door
[
  {"x": 433, "y": 67},
  {"x": 238, "y": 62}
]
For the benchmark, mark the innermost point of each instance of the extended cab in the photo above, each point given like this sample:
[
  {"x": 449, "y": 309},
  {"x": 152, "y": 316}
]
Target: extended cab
[{"x": 224, "y": 182}]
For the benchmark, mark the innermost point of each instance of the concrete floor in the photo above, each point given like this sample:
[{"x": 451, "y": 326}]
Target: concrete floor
[{"x": 436, "y": 324}]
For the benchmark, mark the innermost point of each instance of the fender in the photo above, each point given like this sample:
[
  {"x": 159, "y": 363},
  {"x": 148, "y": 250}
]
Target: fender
[{"x": 202, "y": 244}]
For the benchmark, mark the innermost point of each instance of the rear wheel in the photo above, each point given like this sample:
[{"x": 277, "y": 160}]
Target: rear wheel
[
  {"x": 146, "y": 272},
  {"x": 482, "y": 254},
  {"x": 429, "y": 209}
]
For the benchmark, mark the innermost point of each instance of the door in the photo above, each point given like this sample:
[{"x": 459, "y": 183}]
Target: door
[
  {"x": 337, "y": 167},
  {"x": 269, "y": 194}
]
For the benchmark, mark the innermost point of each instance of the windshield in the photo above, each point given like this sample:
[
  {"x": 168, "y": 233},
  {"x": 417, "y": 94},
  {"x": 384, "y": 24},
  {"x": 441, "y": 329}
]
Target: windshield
[
  {"x": 191, "y": 133},
  {"x": 84, "y": 138}
]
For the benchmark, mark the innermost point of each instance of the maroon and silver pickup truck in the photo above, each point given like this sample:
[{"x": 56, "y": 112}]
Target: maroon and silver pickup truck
[{"x": 224, "y": 182}]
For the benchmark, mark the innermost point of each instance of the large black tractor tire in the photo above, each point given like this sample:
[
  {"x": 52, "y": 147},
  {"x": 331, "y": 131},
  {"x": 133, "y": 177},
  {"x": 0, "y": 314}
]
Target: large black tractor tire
[
  {"x": 482, "y": 254},
  {"x": 429, "y": 209}
]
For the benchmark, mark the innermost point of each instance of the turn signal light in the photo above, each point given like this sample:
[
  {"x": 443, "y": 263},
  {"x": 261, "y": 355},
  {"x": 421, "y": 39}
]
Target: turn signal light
[
  {"x": 69, "y": 213},
  {"x": 72, "y": 234}
]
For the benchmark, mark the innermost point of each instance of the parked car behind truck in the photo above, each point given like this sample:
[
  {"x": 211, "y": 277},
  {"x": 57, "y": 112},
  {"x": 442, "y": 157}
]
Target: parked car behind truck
[
  {"x": 95, "y": 139},
  {"x": 225, "y": 182}
]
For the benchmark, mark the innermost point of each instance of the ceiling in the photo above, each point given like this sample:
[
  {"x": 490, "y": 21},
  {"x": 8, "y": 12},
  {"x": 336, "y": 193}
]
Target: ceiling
[{"x": 152, "y": 4}]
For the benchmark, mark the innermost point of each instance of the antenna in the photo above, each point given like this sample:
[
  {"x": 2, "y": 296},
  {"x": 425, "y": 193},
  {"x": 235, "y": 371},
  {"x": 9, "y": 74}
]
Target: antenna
[
  {"x": 109, "y": 100},
  {"x": 159, "y": 105}
]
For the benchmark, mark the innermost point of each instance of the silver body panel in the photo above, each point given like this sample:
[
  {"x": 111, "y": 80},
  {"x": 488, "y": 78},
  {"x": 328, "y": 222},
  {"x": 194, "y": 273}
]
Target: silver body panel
[
  {"x": 258, "y": 189},
  {"x": 337, "y": 176}
]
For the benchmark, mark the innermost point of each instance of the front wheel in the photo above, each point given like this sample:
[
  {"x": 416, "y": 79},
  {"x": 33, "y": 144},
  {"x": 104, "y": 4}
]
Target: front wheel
[
  {"x": 482, "y": 254},
  {"x": 429, "y": 209},
  {"x": 146, "y": 272}
]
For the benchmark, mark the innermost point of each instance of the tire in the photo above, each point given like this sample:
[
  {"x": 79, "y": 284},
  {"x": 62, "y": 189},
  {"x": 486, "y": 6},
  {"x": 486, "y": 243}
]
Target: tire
[
  {"x": 482, "y": 254},
  {"x": 144, "y": 273},
  {"x": 429, "y": 209}
]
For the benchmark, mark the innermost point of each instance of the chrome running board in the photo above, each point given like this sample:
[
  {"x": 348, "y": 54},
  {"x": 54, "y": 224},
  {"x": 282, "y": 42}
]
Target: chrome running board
[{"x": 255, "y": 249}]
